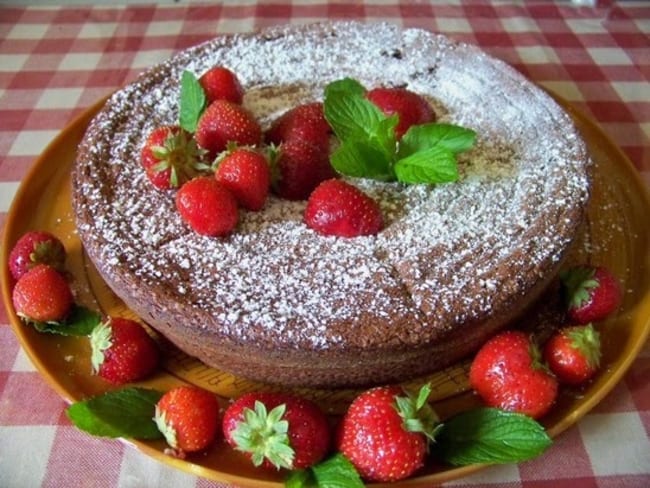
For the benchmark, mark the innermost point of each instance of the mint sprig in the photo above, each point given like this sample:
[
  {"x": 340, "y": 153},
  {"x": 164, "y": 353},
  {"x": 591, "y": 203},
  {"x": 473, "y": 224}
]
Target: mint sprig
[
  {"x": 127, "y": 412},
  {"x": 369, "y": 148},
  {"x": 80, "y": 322},
  {"x": 192, "y": 101},
  {"x": 490, "y": 435}
]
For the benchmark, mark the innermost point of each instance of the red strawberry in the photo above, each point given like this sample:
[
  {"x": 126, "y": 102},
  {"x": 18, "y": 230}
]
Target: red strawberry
[
  {"x": 188, "y": 417},
  {"x": 508, "y": 374},
  {"x": 122, "y": 351},
  {"x": 220, "y": 83},
  {"x": 277, "y": 429},
  {"x": 411, "y": 108},
  {"x": 305, "y": 122},
  {"x": 340, "y": 209},
  {"x": 36, "y": 247},
  {"x": 298, "y": 168},
  {"x": 573, "y": 353},
  {"x": 223, "y": 122},
  {"x": 592, "y": 293},
  {"x": 247, "y": 175},
  {"x": 207, "y": 206},
  {"x": 385, "y": 433},
  {"x": 42, "y": 295},
  {"x": 170, "y": 157}
]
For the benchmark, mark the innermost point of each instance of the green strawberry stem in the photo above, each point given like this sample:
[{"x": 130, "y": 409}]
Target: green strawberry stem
[
  {"x": 417, "y": 413},
  {"x": 100, "y": 341},
  {"x": 537, "y": 359},
  {"x": 587, "y": 340},
  {"x": 578, "y": 283},
  {"x": 265, "y": 435}
]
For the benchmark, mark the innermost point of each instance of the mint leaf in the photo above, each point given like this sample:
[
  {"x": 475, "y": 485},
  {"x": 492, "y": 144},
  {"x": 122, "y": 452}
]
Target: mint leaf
[
  {"x": 384, "y": 135},
  {"x": 127, "y": 412},
  {"x": 490, "y": 435},
  {"x": 426, "y": 136},
  {"x": 434, "y": 165},
  {"x": 192, "y": 101},
  {"x": 349, "y": 113},
  {"x": 334, "y": 472},
  {"x": 80, "y": 322},
  {"x": 362, "y": 159},
  {"x": 345, "y": 86},
  {"x": 302, "y": 478}
]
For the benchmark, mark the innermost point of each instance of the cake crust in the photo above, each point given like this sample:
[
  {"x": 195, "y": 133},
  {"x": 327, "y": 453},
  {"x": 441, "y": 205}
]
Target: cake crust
[{"x": 279, "y": 303}]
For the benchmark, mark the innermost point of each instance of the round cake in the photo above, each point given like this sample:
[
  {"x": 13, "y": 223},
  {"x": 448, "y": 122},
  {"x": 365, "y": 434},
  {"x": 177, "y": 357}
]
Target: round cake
[{"x": 277, "y": 302}]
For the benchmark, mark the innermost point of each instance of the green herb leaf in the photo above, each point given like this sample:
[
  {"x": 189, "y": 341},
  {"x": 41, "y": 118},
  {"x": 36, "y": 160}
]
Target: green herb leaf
[
  {"x": 346, "y": 87},
  {"x": 335, "y": 472},
  {"x": 80, "y": 322},
  {"x": 434, "y": 165},
  {"x": 192, "y": 101},
  {"x": 349, "y": 113},
  {"x": 369, "y": 148},
  {"x": 127, "y": 413},
  {"x": 489, "y": 435},
  {"x": 362, "y": 159},
  {"x": 427, "y": 136},
  {"x": 302, "y": 478}
]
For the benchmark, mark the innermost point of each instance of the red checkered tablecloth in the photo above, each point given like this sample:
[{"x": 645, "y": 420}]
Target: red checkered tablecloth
[{"x": 56, "y": 61}]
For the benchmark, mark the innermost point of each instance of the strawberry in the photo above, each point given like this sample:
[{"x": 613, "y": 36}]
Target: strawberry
[
  {"x": 36, "y": 247},
  {"x": 277, "y": 430},
  {"x": 573, "y": 353},
  {"x": 207, "y": 206},
  {"x": 170, "y": 157},
  {"x": 340, "y": 209},
  {"x": 219, "y": 83},
  {"x": 223, "y": 122},
  {"x": 592, "y": 293},
  {"x": 507, "y": 373},
  {"x": 188, "y": 417},
  {"x": 305, "y": 122},
  {"x": 122, "y": 351},
  {"x": 385, "y": 432},
  {"x": 411, "y": 108},
  {"x": 247, "y": 175},
  {"x": 298, "y": 168},
  {"x": 42, "y": 295}
]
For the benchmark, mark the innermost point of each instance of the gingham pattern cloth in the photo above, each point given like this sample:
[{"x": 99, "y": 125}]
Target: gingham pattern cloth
[{"x": 55, "y": 62}]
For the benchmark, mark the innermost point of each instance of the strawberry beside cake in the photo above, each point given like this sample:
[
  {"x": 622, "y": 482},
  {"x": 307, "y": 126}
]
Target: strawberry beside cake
[{"x": 276, "y": 301}]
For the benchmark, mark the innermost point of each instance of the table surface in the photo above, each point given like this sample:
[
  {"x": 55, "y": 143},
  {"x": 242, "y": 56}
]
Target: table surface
[{"x": 57, "y": 61}]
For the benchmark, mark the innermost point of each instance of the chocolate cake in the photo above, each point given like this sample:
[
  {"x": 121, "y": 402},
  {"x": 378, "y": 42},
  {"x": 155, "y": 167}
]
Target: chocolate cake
[{"x": 277, "y": 302}]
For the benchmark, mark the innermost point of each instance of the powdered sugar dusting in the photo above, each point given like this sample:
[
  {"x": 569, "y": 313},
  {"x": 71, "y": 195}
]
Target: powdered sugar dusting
[{"x": 446, "y": 249}]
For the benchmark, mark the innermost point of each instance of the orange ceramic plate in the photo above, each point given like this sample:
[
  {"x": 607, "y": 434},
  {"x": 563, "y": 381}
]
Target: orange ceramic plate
[{"x": 616, "y": 235}]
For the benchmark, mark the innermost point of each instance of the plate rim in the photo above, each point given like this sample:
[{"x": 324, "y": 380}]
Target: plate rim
[{"x": 568, "y": 420}]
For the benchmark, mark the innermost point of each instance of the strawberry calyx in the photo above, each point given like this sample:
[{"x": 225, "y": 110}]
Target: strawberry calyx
[
  {"x": 273, "y": 154},
  {"x": 417, "y": 414},
  {"x": 264, "y": 435},
  {"x": 101, "y": 339},
  {"x": 231, "y": 147},
  {"x": 537, "y": 362},
  {"x": 578, "y": 283},
  {"x": 168, "y": 432},
  {"x": 586, "y": 340},
  {"x": 47, "y": 252},
  {"x": 181, "y": 155}
]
